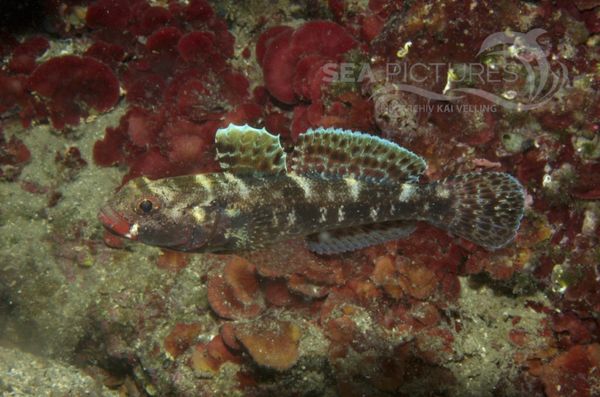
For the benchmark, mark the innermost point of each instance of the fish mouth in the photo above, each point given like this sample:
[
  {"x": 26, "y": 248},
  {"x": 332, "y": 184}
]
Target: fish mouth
[{"x": 115, "y": 222}]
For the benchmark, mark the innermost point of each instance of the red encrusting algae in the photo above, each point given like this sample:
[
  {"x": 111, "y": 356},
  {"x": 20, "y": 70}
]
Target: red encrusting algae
[
  {"x": 69, "y": 86},
  {"x": 271, "y": 343},
  {"x": 181, "y": 337},
  {"x": 13, "y": 157},
  {"x": 385, "y": 318},
  {"x": 233, "y": 292}
]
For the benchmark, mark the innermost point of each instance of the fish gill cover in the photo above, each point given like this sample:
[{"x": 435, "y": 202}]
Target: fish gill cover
[{"x": 94, "y": 94}]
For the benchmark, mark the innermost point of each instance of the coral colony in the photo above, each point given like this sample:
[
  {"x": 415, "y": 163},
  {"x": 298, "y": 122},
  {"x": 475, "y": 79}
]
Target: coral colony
[{"x": 386, "y": 320}]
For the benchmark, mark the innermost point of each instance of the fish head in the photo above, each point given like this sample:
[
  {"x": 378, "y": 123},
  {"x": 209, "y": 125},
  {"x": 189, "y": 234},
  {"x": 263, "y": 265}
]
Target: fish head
[{"x": 153, "y": 213}]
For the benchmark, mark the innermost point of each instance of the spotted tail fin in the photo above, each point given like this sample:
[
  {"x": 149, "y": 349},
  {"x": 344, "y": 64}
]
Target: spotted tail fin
[{"x": 485, "y": 208}]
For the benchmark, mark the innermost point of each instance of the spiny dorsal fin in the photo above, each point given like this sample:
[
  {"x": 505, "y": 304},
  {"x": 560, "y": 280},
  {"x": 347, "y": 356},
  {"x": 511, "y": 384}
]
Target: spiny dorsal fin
[
  {"x": 244, "y": 149},
  {"x": 349, "y": 239},
  {"x": 333, "y": 152}
]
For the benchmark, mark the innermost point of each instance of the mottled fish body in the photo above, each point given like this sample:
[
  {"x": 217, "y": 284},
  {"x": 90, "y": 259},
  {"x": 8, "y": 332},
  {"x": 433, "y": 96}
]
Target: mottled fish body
[{"x": 344, "y": 191}]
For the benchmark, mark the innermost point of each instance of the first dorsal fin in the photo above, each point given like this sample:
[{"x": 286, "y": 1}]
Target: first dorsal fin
[
  {"x": 352, "y": 238},
  {"x": 244, "y": 149},
  {"x": 331, "y": 152}
]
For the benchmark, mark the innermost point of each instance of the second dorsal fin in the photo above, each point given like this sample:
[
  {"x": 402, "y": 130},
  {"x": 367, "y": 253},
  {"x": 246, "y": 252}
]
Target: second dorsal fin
[
  {"x": 331, "y": 152},
  {"x": 244, "y": 149}
]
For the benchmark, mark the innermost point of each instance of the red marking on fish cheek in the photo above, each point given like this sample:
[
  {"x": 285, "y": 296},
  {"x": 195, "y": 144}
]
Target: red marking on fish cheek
[{"x": 114, "y": 221}]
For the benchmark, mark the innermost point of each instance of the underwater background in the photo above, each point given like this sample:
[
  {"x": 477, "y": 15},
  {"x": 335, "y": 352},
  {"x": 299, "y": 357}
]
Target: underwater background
[{"x": 95, "y": 93}]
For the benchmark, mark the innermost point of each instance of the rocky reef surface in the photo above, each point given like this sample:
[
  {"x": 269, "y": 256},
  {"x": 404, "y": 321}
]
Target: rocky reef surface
[{"x": 94, "y": 93}]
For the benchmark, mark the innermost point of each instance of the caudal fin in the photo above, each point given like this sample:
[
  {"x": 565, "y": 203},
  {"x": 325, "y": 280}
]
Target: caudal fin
[{"x": 485, "y": 208}]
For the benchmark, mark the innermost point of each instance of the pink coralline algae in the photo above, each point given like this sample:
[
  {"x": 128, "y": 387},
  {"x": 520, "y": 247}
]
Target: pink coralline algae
[
  {"x": 180, "y": 90},
  {"x": 305, "y": 273},
  {"x": 181, "y": 338},
  {"x": 576, "y": 371},
  {"x": 68, "y": 87},
  {"x": 109, "y": 54},
  {"x": 108, "y": 14},
  {"x": 300, "y": 65},
  {"x": 172, "y": 64},
  {"x": 13, "y": 156},
  {"x": 12, "y": 92},
  {"x": 21, "y": 61},
  {"x": 387, "y": 320},
  {"x": 293, "y": 60},
  {"x": 62, "y": 90},
  {"x": 234, "y": 292},
  {"x": 207, "y": 358},
  {"x": 271, "y": 343},
  {"x": 25, "y": 54},
  {"x": 172, "y": 260}
]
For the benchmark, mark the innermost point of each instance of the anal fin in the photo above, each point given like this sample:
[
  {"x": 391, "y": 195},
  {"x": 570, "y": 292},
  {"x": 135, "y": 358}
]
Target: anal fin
[{"x": 349, "y": 239}]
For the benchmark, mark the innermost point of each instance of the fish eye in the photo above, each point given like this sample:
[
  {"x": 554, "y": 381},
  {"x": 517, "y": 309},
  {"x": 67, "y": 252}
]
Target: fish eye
[{"x": 146, "y": 205}]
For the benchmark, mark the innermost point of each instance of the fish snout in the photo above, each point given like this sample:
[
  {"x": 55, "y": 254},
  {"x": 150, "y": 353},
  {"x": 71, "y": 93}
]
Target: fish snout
[{"x": 115, "y": 222}]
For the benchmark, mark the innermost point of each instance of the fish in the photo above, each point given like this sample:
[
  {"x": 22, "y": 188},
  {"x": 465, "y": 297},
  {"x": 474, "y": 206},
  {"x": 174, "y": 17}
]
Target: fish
[{"x": 339, "y": 190}]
